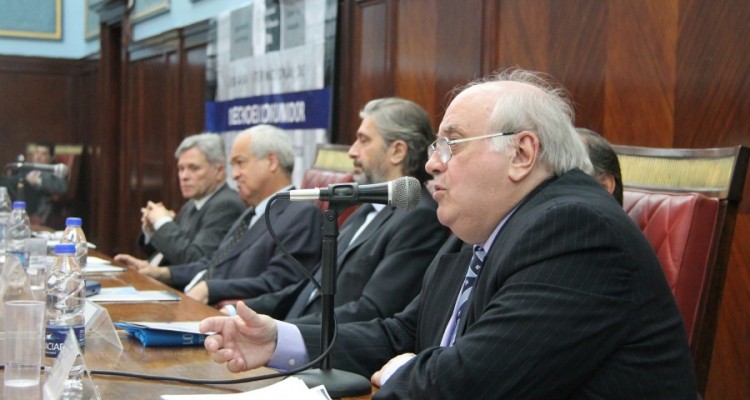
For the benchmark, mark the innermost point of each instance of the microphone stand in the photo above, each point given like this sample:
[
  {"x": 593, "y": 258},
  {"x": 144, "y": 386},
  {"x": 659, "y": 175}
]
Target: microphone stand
[{"x": 338, "y": 383}]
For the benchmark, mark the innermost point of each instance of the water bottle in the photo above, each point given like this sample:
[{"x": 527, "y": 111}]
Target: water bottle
[
  {"x": 18, "y": 230},
  {"x": 74, "y": 234},
  {"x": 65, "y": 302},
  {"x": 5, "y": 208}
]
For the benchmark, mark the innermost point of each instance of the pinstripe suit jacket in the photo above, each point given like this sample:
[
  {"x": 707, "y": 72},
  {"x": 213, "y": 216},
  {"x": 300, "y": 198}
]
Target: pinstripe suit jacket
[{"x": 571, "y": 304}]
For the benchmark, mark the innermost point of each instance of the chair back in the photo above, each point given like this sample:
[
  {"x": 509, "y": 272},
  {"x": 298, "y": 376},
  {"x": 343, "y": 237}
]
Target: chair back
[
  {"x": 64, "y": 205},
  {"x": 332, "y": 165},
  {"x": 685, "y": 201}
]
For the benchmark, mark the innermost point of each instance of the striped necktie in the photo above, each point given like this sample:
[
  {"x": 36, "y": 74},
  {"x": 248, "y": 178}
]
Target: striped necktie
[
  {"x": 228, "y": 244},
  {"x": 472, "y": 274}
]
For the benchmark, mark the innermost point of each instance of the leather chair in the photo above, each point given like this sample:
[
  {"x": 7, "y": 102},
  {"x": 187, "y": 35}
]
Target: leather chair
[
  {"x": 65, "y": 205},
  {"x": 685, "y": 201}
]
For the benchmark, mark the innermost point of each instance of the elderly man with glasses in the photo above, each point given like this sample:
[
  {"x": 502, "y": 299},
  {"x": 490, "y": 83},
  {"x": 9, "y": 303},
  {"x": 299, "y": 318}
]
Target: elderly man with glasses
[{"x": 547, "y": 290}]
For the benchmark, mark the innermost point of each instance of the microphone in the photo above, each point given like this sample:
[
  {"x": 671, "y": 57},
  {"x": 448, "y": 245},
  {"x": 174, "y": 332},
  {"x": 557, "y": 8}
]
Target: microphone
[
  {"x": 403, "y": 193},
  {"x": 60, "y": 170}
]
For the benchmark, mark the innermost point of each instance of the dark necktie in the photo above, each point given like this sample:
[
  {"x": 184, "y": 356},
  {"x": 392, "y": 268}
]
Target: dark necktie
[
  {"x": 230, "y": 241},
  {"x": 472, "y": 274},
  {"x": 309, "y": 292}
]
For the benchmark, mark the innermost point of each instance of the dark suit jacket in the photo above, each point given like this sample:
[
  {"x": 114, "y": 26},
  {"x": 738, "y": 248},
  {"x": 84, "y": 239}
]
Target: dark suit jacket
[
  {"x": 571, "y": 304},
  {"x": 37, "y": 198},
  {"x": 194, "y": 234},
  {"x": 255, "y": 265},
  {"x": 379, "y": 273}
]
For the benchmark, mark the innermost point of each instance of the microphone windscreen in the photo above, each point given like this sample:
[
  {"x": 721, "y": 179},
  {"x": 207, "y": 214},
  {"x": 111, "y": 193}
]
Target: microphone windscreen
[
  {"x": 61, "y": 170},
  {"x": 406, "y": 193}
]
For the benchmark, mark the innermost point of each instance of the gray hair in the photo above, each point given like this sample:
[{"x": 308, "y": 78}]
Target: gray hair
[
  {"x": 401, "y": 119},
  {"x": 210, "y": 144},
  {"x": 549, "y": 114},
  {"x": 268, "y": 139}
]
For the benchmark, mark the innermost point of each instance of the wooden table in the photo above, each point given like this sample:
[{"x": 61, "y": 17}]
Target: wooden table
[{"x": 188, "y": 362}]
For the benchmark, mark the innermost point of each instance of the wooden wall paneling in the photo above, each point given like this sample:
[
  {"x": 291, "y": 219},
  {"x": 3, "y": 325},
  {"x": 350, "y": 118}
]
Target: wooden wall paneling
[
  {"x": 640, "y": 76},
  {"x": 730, "y": 365},
  {"x": 35, "y": 103},
  {"x": 416, "y": 49},
  {"x": 370, "y": 60},
  {"x": 458, "y": 58},
  {"x": 107, "y": 181}
]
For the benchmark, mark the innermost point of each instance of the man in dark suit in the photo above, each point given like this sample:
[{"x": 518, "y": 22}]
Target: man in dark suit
[
  {"x": 204, "y": 219},
  {"x": 383, "y": 251},
  {"x": 262, "y": 160},
  {"x": 40, "y": 185},
  {"x": 548, "y": 290},
  {"x": 605, "y": 162}
]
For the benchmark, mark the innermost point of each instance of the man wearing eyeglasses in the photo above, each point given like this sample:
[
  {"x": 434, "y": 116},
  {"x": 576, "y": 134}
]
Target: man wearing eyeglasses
[{"x": 547, "y": 290}]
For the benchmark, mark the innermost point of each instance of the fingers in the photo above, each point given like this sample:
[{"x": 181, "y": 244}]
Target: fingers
[{"x": 375, "y": 379}]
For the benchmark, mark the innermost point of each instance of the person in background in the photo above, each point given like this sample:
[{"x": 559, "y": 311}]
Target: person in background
[
  {"x": 605, "y": 162},
  {"x": 39, "y": 186},
  {"x": 262, "y": 159},
  {"x": 211, "y": 207},
  {"x": 383, "y": 251},
  {"x": 547, "y": 290}
]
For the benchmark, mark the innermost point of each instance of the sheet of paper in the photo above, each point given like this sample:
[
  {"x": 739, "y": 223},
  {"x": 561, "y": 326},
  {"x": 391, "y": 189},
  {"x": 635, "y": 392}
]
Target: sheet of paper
[
  {"x": 289, "y": 388},
  {"x": 186, "y": 327},
  {"x": 134, "y": 297}
]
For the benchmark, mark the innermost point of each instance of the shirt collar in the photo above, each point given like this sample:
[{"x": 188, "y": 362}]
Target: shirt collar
[
  {"x": 200, "y": 202},
  {"x": 261, "y": 207}
]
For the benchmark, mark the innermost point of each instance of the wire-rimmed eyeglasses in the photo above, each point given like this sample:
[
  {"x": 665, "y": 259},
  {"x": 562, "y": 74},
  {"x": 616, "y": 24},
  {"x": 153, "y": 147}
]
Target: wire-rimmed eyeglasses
[{"x": 443, "y": 146}]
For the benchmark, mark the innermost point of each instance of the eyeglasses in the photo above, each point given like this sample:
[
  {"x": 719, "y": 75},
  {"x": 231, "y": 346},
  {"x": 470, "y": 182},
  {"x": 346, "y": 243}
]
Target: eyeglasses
[{"x": 443, "y": 146}]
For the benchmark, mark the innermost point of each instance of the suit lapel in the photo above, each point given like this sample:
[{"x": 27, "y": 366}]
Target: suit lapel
[{"x": 369, "y": 230}]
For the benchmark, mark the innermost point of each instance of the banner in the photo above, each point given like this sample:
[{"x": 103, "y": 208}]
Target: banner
[{"x": 272, "y": 63}]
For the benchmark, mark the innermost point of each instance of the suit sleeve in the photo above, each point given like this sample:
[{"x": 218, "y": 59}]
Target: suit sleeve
[
  {"x": 300, "y": 233},
  {"x": 175, "y": 242},
  {"x": 397, "y": 277},
  {"x": 53, "y": 184}
]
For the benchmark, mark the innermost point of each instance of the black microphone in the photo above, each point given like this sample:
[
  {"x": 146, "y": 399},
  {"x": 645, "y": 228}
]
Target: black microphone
[
  {"x": 60, "y": 170},
  {"x": 401, "y": 193}
]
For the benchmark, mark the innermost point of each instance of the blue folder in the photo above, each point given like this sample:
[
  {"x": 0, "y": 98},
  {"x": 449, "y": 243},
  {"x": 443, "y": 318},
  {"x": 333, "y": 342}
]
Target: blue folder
[{"x": 149, "y": 336}]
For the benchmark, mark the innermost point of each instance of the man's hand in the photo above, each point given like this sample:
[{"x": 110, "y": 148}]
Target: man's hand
[
  {"x": 244, "y": 342},
  {"x": 143, "y": 267},
  {"x": 380, "y": 377},
  {"x": 199, "y": 292},
  {"x": 34, "y": 178},
  {"x": 154, "y": 211}
]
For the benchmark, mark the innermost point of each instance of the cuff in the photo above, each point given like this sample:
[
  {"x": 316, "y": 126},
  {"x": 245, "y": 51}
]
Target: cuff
[
  {"x": 290, "y": 350},
  {"x": 160, "y": 222}
]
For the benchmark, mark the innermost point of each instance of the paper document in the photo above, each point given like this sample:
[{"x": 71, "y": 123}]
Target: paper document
[
  {"x": 127, "y": 294},
  {"x": 289, "y": 388}
]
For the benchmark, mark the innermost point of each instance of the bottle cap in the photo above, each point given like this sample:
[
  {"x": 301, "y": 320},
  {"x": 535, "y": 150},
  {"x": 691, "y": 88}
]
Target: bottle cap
[
  {"x": 65, "y": 248},
  {"x": 19, "y": 204},
  {"x": 72, "y": 221}
]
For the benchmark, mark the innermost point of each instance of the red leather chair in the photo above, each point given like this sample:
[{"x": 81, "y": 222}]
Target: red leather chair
[{"x": 685, "y": 201}]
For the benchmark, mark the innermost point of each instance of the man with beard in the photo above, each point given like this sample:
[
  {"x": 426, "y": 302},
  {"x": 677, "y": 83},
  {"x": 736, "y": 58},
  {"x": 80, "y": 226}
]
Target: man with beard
[{"x": 383, "y": 252}]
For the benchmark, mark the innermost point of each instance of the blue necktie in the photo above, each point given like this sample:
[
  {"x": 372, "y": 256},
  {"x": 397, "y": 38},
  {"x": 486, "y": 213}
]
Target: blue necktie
[{"x": 472, "y": 274}]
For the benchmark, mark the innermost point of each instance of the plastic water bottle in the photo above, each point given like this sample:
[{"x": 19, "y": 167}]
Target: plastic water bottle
[
  {"x": 5, "y": 209},
  {"x": 74, "y": 234},
  {"x": 65, "y": 302},
  {"x": 18, "y": 230}
]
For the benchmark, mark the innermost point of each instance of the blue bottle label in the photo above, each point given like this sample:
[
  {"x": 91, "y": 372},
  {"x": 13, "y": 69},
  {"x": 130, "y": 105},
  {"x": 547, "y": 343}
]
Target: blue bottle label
[{"x": 56, "y": 335}]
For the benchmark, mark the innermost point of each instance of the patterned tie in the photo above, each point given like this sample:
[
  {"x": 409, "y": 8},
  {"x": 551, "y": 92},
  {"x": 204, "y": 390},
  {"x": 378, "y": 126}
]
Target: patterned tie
[
  {"x": 229, "y": 242},
  {"x": 472, "y": 274}
]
